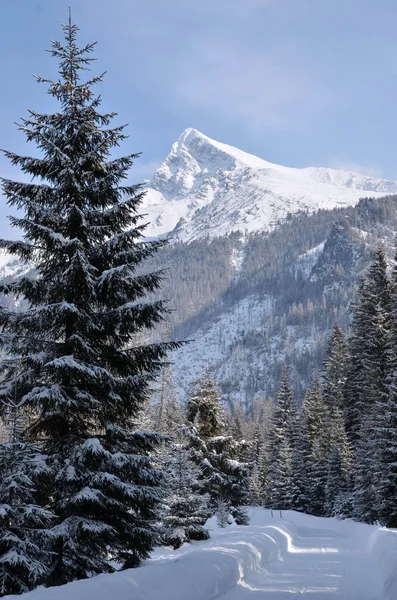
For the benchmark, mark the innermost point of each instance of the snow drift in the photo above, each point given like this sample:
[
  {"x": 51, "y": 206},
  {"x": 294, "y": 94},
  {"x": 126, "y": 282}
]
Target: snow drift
[{"x": 274, "y": 558}]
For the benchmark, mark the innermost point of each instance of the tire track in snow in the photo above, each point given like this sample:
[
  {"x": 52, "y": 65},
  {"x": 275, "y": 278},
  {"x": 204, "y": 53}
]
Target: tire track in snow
[{"x": 312, "y": 564}]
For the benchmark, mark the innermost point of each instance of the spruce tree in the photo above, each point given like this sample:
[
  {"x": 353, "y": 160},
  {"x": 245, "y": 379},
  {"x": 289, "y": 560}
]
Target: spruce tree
[
  {"x": 316, "y": 417},
  {"x": 73, "y": 357},
  {"x": 334, "y": 376},
  {"x": 185, "y": 509},
  {"x": 340, "y": 458},
  {"x": 369, "y": 347},
  {"x": 371, "y": 343},
  {"x": 354, "y": 388},
  {"x": 280, "y": 447},
  {"x": 204, "y": 408},
  {"x": 375, "y": 302},
  {"x": 227, "y": 479},
  {"x": 387, "y": 431}
]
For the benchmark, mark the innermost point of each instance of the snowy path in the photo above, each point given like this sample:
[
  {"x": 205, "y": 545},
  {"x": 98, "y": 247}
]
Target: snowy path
[
  {"x": 294, "y": 557},
  {"x": 314, "y": 564}
]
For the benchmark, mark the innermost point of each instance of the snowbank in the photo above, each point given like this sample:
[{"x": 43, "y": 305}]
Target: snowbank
[{"x": 296, "y": 554}]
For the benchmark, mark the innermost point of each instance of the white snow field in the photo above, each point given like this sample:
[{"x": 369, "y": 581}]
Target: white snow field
[{"x": 296, "y": 556}]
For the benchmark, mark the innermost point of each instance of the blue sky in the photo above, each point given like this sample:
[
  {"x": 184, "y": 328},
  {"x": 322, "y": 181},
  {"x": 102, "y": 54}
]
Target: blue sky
[{"x": 297, "y": 82}]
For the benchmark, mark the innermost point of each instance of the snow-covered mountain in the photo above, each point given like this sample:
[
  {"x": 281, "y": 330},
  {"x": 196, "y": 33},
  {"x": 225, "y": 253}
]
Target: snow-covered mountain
[
  {"x": 250, "y": 303},
  {"x": 206, "y": 188}
]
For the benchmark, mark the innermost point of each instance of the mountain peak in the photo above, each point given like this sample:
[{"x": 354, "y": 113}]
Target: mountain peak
[
  {"x": 190, "y": 134},
  {"x": 193, "y": 158}
]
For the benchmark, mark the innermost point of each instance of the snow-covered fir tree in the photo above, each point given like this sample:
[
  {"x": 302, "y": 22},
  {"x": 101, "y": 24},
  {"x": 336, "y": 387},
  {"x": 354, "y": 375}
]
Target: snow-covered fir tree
[
  {"x": 387, "y": 422},
  {"x": 316, "y": 418},
  {"x": 227, "y": 479},
  {"x": 73, "y": 357},
  {"x": 204, "y": 408},
  {"x": 280, "y": 447},
  {"x": 371, "y": 329},
  {"x": 185, "y": 508},
  {"x": 368, "y": 346},
  {"x": 340, "y": 459},
  {"x": 335, "y": 367}
]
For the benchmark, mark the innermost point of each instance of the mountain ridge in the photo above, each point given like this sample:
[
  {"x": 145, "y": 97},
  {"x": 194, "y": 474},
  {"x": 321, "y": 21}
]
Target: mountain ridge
[{"x": 207, "y": 188}]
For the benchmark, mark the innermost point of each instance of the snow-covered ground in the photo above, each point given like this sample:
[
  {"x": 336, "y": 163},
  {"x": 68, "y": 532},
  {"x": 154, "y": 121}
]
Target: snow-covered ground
[{"x": 296, "y": 556}]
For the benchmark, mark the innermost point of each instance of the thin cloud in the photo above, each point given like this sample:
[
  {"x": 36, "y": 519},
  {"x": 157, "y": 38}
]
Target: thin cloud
[{"x": 372, "y": 170}]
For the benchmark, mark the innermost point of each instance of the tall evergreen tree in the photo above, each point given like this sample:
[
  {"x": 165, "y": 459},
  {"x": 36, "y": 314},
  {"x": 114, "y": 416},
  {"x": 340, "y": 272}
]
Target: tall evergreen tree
[
  {"x": 387, "y": 431},
  {"x": 371, "y": 343},
  {"x": 204, "y": 407},
  {"x": 376, "y": 305},
  {"x": 340, "y": 458},
  {"x": 369, "y": 346},
  {"x": 335, "y": 367},
  {"x": 354, "y": 390},
  {"x": 280, "y": 447},
  {"x": 185, "y": 508},
  {"x": 73, "y": 360},
  {"x": 316, "y": 417},
  {"x": 227, "y": 479}
]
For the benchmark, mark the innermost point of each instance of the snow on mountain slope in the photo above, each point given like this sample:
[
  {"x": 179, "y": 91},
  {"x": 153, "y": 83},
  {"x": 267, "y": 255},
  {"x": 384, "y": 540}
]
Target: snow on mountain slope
[
  {"x": 273, "y": 559},
  {"x": 207, "y": 188},
  {"x": 239, "y": 349},
  {"x": 217, "y": 343},
  {"x": 306, "y": 261}
]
